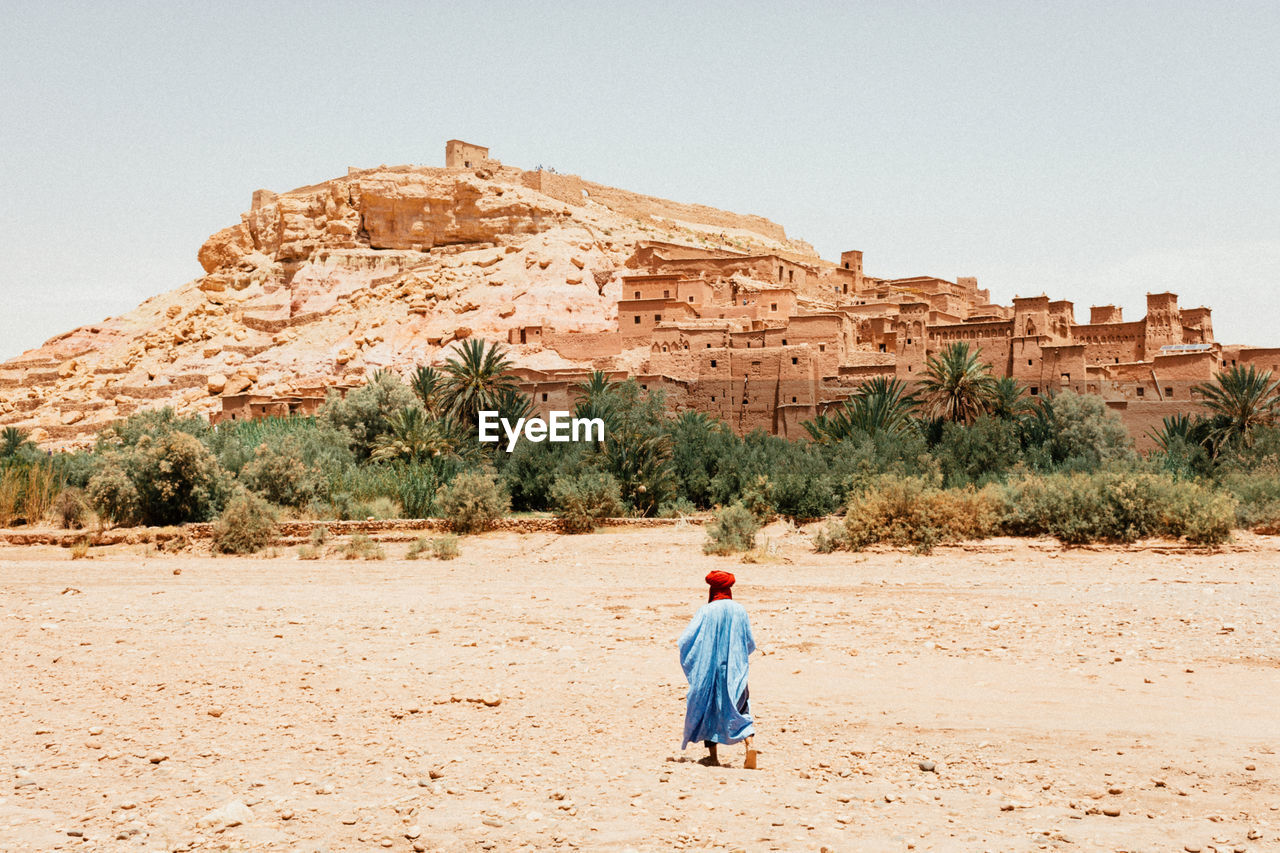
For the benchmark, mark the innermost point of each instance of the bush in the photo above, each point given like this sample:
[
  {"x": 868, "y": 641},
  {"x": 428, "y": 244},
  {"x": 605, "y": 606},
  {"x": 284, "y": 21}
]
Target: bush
[
  {"x": 71, "y": 509},
  {"x": 365, "y": 412},
  {"x": 913, "y": 511},
  {"x": 319, "y": 536},
  {"x": 417, "y": 490},
  {"x": 473, "y": 501},
  {"x": 113, "y": 496},
  {"x": 677, "y": 508},
  {"x": 80, "y": 548},
  {"x": 734, "y": 530},
  {"x": 442, "y": 548},
  {"x": 246, "y": 526},
  {"x": 757, "y": 498},
  {"x": 1257, "y": 493},
  {"x": 1117, "y": 506},
  {"x": 177, "y": 479},
  {"x": 583, "y": 499},
  {"x": 308, "y": 552},
  {"x": 445, "y": 547},
  {"x": 361, "y": 547},
  {"x": 279, "y": 472}
]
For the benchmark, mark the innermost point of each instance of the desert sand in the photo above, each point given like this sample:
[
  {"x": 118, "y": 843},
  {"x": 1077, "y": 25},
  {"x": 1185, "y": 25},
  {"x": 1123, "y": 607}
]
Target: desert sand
[{"x": 528, "y": 696}]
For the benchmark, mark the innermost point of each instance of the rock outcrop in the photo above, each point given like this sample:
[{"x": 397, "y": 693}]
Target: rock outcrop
[{"x": 382, "y": 268}]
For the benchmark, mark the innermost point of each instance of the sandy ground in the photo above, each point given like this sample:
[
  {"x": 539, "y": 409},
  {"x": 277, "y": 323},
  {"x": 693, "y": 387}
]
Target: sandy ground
[{"x": 1069, "y": 700}]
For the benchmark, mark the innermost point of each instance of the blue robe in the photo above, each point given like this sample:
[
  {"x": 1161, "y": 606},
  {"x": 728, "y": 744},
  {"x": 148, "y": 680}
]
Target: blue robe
[{"x": 713, "y": 652}]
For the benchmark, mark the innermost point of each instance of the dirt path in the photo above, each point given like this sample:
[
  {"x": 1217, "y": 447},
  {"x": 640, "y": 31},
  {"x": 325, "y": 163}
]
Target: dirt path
[{"x": 332, "y": 699}]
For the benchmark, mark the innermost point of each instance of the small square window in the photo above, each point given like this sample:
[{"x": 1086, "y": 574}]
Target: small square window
[
  {"x": 1142, "y": 392},
  {"x": 1035, "y": 392},
  {"x": 637, "y": 319},
  {"x": 773, "y": 306},
  {"x": 793, "y": 399},
  {"x": 657, "y": 318},
  {"x": 795, "y": 361},
  {"x": 713, "y": 361},
  {"x": 666, "y": 294},
  {"x": 1168, "y": 392},
  {"x": 637, "y": 294},
  {"x": 544, "y": 398},
  {"x": 822, "y": 347}
]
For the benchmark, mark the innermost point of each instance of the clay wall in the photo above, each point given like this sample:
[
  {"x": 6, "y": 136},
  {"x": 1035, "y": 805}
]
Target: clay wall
[
  {"x": 572, "y": 189},
  {"x": 990, "y": 338},
  {"x": 1163, "y": 322},
  {"x": 1099, "y": 314},
  {"x": 1260, "y": 358},
  {"x": 464, "y": 155},
  {"x": 583, "y": 346},
  {"x": 770, "y": 303},
  {"x": 650, "y": 286},
  {"x": 1112, "y": 342},
  {"x": 1030, "y": 316}
]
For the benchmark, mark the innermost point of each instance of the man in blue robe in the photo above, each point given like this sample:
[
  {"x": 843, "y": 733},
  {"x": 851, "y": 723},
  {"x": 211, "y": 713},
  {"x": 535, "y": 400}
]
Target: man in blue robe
[{"x": 713, "y": 652}]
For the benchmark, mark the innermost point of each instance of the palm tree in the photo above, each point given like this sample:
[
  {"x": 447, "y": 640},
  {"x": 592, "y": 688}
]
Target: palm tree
[
  {"x": 412, "y": 436},
  {"x": 427, "y": 383},
  {"x": 12, "y": 440},
  {"x": 475, "y": 380},
  {"x": 957, "y": 386},
  {"x": 1175, "y": 430},
  {"x": 642, "y": 466},
  {"x": 1240, "y": 399},
  {"x": 1008, "y": 399},
  {"x": 879, "y": 406},
  {"x": 513, "y": 404}
]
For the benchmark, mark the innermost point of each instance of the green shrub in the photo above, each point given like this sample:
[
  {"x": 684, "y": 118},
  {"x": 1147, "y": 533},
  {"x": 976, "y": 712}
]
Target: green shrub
[
  {"x": 583, "y": 499},
  {"x": 365, "y": 412},
  {"x": 1257, "y": 493},
  {"x": 308, "y": 552},
  {"x": 1117, "y": 506},
  {"x": 757, "y": 498},
  {"x": 113, "y": 496},
  {"x": 913, "y": 511},
  {"x": 417, "y": 490},
  {"x": 734, "y": 530},
  {"x": 319, "y": 535},
  {"x": 830, "y": 538},
  {"x": 71, "y": 509},
  {"x": 473, "y": 501},
  {"x": 677, "y": 508},
  {"x": 246, "y": 526},
  {"x": 441, "y": 548},
  {"x": 444, "y": 547},
  {"x": 279, "y": 472},
  {"x": 177, "y": 479},
  {"x": 361, "y": 547}
]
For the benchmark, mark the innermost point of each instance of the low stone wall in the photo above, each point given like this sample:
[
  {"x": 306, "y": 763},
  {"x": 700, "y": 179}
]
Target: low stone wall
[{"x": 294, "y": 532}]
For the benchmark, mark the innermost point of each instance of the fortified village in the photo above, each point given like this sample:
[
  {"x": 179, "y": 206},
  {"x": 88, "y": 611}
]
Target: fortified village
[{"x": 317, "y": 288}]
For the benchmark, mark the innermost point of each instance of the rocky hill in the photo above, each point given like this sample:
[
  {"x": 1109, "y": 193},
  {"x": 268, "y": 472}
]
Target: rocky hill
[{"x": 382, "y": 268}]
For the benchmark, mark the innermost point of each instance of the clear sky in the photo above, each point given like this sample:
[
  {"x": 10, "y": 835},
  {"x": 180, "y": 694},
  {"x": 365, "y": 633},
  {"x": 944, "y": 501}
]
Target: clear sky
[{"x": 1093, "y": 151}]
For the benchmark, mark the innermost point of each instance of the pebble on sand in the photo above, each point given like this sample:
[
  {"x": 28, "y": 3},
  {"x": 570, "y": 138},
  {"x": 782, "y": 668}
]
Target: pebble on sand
[{"x": 928, "y": 766}]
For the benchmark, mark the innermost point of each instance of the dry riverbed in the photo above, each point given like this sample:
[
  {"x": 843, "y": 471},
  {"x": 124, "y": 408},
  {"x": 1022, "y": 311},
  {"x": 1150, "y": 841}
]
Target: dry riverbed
[{"x": 1007, "y": 696}]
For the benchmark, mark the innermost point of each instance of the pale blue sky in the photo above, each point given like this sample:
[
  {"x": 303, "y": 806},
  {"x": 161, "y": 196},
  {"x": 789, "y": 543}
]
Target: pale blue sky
[{"x": 1094, "y": 151}]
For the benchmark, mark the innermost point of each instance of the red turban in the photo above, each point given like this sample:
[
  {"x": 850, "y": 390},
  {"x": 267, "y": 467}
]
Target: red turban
[{"x": 720, "y": 585}]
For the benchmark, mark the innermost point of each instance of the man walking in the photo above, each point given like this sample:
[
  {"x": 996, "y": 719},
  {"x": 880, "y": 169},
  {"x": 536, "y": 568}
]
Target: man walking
[{"x": 713, "y": 653}]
